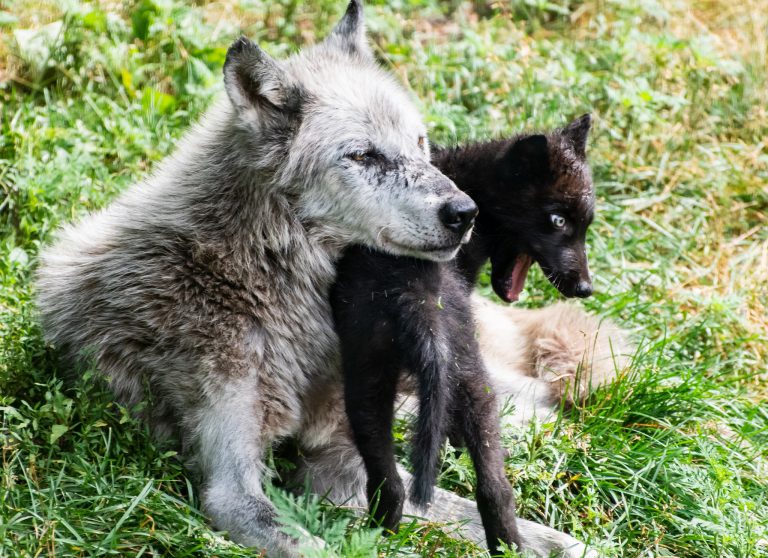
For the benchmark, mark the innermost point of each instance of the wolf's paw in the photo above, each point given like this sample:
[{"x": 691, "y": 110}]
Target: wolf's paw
[
  {"x": 541, "y": 541},
  {"x": 309, "y": 544}
]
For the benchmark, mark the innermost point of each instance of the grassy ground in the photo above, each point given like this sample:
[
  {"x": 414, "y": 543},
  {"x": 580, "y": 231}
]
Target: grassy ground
[{"x": 670, "y": 462}]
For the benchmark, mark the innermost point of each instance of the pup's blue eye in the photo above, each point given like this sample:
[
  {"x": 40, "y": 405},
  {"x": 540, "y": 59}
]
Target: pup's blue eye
[{"x": 558, "y": 221}]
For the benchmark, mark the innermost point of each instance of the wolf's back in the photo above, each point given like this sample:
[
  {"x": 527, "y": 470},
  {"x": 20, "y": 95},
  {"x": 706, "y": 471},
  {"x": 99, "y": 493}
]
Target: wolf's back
[{"x": 101, "y": 282}]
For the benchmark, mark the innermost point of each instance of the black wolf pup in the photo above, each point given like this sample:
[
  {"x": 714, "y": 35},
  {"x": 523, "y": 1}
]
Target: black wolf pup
[{"x": 397, "y": 314}]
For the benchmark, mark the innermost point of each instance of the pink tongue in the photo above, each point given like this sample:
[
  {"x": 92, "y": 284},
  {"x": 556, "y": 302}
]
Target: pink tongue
[{"x": 516, "y": 283}]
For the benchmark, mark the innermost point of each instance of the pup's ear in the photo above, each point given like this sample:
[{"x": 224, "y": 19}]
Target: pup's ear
[
  {"x": 577, "y": 132},
  {"x": 349, "y": 33},
  {"x": 254, "y": 80},
  {"x": 528, "y": 155}
]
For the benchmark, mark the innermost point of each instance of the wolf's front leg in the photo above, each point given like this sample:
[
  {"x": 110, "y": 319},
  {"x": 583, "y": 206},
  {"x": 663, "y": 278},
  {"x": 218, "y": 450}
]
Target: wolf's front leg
[
  {"x": 335, "y": 470},
  {"x": 224, "y": 442},
  {"x": 535, "y": 539}
]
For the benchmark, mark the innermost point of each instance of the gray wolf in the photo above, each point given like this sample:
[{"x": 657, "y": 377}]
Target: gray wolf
[{"x": 204, "y": 289}]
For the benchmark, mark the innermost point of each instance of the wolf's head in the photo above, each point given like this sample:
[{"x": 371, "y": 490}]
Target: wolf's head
[
  {"x": 545, "y": 217},
  {"x": 345, "y": 141}
]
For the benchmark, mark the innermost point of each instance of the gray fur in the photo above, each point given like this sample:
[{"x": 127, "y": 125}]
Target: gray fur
[{"x": 548, "y": 356}]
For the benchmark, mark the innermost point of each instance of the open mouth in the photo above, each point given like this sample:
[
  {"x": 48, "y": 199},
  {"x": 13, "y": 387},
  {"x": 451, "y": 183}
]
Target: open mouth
[{"x": 512, "y": 283}]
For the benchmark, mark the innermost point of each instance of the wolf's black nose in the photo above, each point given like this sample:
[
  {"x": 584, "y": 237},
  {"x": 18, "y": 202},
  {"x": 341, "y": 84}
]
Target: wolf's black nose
[
  {"x": 583, "y": 289},
  {"x": 458, "y": 215}
]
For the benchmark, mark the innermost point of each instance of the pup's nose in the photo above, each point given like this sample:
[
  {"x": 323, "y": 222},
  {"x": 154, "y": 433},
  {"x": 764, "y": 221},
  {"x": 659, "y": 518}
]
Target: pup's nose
[
  {"x": 459, "y": 214},
  {"x": 583, "y": 289}
]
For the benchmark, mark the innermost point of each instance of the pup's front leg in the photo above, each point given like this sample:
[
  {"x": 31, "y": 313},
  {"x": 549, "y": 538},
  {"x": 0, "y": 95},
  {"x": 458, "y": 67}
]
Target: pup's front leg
[{"x": 476, "y": 414}]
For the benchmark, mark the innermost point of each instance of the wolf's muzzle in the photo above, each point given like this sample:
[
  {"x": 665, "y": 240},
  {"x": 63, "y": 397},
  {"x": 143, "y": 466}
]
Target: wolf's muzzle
[{"x": 458, "y": 215}]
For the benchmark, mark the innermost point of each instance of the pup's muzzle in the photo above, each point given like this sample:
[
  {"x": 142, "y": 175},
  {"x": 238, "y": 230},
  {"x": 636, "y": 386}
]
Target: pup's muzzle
[{"x": 583, "y": 289}]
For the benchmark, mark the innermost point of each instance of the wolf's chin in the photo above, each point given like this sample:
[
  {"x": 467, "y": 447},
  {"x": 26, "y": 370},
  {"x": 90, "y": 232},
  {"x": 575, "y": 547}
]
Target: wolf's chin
[
  {"x": 444, "y": 255},
  {"x": 425, "y": 252}
]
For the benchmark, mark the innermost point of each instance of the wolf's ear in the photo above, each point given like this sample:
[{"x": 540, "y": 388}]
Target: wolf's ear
[
  {"x": 349, "y": 33},
  {"x": 255, "y": 80},
  {"x": 529, "y": 155},
  {"x": 577, "y": 132}
]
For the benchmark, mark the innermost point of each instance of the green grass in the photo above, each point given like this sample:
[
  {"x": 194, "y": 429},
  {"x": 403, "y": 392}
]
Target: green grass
[{"x": 672, "y": 461}]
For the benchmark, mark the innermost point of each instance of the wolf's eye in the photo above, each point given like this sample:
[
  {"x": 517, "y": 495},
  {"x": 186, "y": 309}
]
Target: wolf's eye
[
  {"x": 363, "y": 156},
  {"x": 558, "y": 221}
]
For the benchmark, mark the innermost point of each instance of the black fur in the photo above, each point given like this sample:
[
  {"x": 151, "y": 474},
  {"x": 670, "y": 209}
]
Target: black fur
[{"x": 396, "y": 314}]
